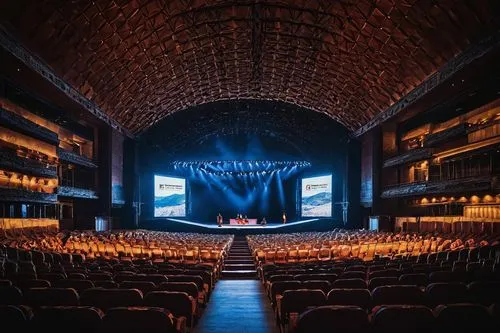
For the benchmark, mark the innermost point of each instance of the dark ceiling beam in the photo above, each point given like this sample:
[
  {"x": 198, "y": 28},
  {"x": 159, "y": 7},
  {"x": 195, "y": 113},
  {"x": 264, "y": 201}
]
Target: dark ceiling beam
[
  {"x": 14, "y": 47},
  {"x": 466, "y": 57}
]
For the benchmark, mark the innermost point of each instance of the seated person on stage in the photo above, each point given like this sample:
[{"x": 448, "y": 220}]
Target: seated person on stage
[
  {"x": 245, "y": 220},
  {"x": 238, "y": 218},
  {"x": 263, "y": 222}
]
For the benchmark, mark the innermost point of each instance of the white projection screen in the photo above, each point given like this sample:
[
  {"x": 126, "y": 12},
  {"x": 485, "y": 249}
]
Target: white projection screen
[
  {"x": 317, "y": 196},
  {"x": 169, "y": 197}
]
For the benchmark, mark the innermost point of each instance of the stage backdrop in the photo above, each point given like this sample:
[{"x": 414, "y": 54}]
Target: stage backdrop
[
  {"x": 170, "y": 196},
  {"x": 317, "y": 196}
]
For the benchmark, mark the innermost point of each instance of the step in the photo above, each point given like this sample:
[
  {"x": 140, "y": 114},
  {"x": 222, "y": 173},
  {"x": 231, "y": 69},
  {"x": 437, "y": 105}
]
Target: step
[
  {"x": 239, "y": 257},
  {"x": 242, "y": 274},
  {"x": 239, "y": 261},
  {"x": 238, "y": 267}
]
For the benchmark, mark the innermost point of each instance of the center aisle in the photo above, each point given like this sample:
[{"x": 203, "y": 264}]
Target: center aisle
[
  {"x": 238, "y": 306},
  {"x": 239, "y": 302}
]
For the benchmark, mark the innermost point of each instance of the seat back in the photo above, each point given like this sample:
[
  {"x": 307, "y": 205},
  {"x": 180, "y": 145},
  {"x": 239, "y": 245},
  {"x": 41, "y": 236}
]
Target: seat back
[
  {"x": 298, "y": 300},
  {"x": 346, "y": 319},
  {"x": 15, "y": 318},
  {"x": 350, "y": 283},
  {"x": 317, "y": 284},
  {"x": 37, "y": 297},
  {"x": 178, "y": 303},
  {"x": 279, "y": 287},
  {"x": 78, "y": 285},
  {"x": 109, "y": 298},
  {"x": 387, "y": 295},
  {"x": 189, "y": 288},
  {"x": 382, "y": 281},
  {"x": 137, "y": 320},
  {"x": 410, "y": 318},
  {"x": 484, "y": 292},
  {"x": 446, "y": 293},
  {"x": 358, "y": 297},
  {"x": 144, "y": 286},
  {"x": 416, "y": 279},
  {"x": 462, "y": 317},
  {"x": 79, "y": 319}
]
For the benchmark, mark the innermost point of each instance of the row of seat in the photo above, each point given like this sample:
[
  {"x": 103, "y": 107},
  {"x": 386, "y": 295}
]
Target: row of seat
[
  {"x": 179, "y": 303},
  {"x": 86, "y": 319},
  {"x": 456, "y": 318},
  {"x": 292, "y": 296}
]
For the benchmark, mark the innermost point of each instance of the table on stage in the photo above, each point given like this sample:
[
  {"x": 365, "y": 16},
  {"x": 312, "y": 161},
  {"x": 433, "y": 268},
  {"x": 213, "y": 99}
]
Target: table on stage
[{"x": 250, "y": 222}]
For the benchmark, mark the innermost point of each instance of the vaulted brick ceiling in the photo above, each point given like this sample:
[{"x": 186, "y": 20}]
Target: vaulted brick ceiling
[{"x": 140, "y": 61}]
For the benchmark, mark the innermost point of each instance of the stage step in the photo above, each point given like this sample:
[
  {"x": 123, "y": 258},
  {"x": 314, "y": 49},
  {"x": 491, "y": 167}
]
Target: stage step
[
  {"x": 239, "y": 267},
  {"x": 241, "y": 274}
]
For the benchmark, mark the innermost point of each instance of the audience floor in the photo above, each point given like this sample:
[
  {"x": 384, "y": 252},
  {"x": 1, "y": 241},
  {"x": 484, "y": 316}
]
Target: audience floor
[{"x": 238, "y": 306}]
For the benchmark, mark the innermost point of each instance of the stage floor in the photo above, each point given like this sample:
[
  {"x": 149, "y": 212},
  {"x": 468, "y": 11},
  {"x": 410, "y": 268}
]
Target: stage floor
[{"x": 246, "y": 226}]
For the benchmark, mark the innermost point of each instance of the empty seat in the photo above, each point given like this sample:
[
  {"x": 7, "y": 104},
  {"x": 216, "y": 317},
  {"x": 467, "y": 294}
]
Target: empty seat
[
  {"x": 137, "y": 320},
  {"x": 109, "y": 298},
  {"x": 37, "y": 297},
  {"x": 14, "y": 318},
  {"x": 144, "y": 286},
  {"x": 385, "y": 273},
  {"x": 38, "y": 283},
  {"x": 78, "y": 285},
  {"x": 298, "y": 300},
  {"x": 446, "y": 293},
  {"x": 51, "y": 276},
  {"x": 463, "y": 318},
  {"x": 187, "y": 278},
  {"x": 317, "y": 284},
  {"x": 279, "y": 287},
  {"x": 178, "y": 303},
  {"x": 416, "y": 279},
  {"x": 155, "y": 278},
  {"x": 398, "y": 318},
  {"x": 282, "y": 277},
  {"x": 100, "y": 276},
  {"x": 446, "y": 276},
  {"x": 350, "y": 283},
  {"x": 10, "y": 295},
  {"x": 189, "y": 288},
  {"x": 60, "y": 319},
  {"x": 106, "y": 284},
  {"x": 387, "y": 295},
  {"x": 345, "y": 319},
  {"x": 484, "y": 292},
  {"x": 382, "y": 281},
  {"x": 357, "y": 297},
  {"x": 353, "y": 275}
]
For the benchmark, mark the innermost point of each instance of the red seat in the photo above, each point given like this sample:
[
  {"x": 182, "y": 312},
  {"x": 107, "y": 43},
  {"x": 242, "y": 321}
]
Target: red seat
[
  {"x": 446, "y": 293},
  {"x": 78, "y": 285},
  {"x": 463, "y": 318},
  {"x": 60, "y": 319},
  {"x": 109, "y": 298},
  {"x": 326, "y": 319},
  {"x": 407, "y": 318},
  {"x": 382, "y": 281},
  {"x": 11, "y": 295},
  {"x": 144, "y": 286},
  {"x": 37, "y": 297},
  {"x": 178, "y": 303},
  {"x": 416, "y": 279},
  {"x": 357, "y": 297},
  {"x": 387, "y": 295},
  {"x": 138, "y": 320},
  {"x": 349, "y": 283},
  {"x": 15, "y": 318}
]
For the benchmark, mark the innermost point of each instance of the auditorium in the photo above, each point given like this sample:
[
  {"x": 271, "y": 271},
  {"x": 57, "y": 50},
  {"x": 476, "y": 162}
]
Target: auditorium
[{"x": 253, "y": 166}]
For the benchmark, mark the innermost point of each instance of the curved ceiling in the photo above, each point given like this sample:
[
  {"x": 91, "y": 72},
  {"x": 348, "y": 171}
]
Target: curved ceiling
[{"x": 140, "y": 61}]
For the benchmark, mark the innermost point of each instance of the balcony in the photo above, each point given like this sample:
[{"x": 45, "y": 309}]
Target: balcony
[
  {"x": 75, "y": 192},
  {"x": 75, "y": 158},
  {"x": 29, "y": 128},
  {"x": 21, "y": 195},
  {"x": 438, "y": 138},
  {"x": 463, "y": 185},
  {"x": 11, "y": 162},
  {"x": 413, "y": 155}
]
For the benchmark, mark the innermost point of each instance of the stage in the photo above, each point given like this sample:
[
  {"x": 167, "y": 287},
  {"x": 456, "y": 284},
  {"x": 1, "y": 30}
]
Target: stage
[{"x": 180, "y": 225}]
